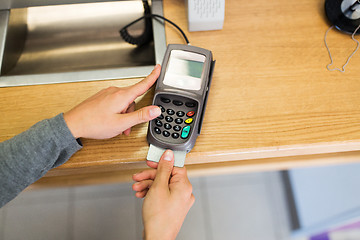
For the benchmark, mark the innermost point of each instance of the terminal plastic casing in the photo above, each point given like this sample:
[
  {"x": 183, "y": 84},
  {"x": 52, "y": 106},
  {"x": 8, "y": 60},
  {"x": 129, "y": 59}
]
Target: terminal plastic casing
[{"x": 198, "y": 96}]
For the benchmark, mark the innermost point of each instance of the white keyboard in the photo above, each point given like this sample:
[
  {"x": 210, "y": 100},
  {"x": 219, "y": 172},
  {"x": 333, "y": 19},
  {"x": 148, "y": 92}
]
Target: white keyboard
[{"x": 204, "y": 15}]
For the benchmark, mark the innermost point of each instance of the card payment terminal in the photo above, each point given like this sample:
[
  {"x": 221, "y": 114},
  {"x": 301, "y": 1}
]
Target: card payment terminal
[{"x": 181, "y": 92}]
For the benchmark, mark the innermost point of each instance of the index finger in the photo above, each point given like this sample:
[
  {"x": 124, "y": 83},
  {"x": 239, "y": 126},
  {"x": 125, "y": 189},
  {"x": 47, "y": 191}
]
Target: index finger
[
  {"x": 152, "y": 164},
  {"x": 141, "y": 87}
]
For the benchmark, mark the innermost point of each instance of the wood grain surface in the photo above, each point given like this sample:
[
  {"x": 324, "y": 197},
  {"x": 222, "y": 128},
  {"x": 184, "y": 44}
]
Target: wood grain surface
[{"x": 271, "y": 95}]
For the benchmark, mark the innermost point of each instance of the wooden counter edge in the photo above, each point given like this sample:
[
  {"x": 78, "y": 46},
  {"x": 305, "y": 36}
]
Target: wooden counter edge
[
  {"x": 213, "y": 157},
  {"x": 196, "y": 170}
]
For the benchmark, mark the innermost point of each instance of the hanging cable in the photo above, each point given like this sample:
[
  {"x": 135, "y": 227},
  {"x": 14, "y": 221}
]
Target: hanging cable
[{"x": 143, "y": 38}]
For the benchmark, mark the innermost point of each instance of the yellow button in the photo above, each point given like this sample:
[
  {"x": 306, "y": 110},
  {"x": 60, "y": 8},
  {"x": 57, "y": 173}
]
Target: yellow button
[{"x": 188, "y": 121}]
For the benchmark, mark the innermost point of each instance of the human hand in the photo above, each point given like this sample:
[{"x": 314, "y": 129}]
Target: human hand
[
  {"x": 110, "y": 112},
  {"x": 168, "y": 198}
]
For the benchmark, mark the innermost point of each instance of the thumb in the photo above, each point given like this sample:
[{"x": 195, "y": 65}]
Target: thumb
[
  {"x": 140, "y": 116},
  {"x": 164, "y": 168}
]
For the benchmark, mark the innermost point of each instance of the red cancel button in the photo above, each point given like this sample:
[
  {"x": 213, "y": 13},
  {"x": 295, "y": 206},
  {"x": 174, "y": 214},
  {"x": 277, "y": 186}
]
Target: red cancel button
[{"x": 190, "y": 114}]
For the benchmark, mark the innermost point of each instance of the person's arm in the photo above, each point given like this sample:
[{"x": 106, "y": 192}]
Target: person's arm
[
  {"x": 168, "y": 198},
  {"x": 28, "y": 156}
]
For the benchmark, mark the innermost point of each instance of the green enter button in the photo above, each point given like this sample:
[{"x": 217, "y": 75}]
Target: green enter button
[{"x": 185, "y": 132}]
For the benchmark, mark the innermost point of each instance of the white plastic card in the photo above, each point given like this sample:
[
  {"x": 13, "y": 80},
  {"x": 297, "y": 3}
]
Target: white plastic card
[{"x": 155, "y": 153}]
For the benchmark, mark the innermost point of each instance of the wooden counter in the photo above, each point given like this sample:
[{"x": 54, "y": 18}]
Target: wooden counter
[{"x": 272, "y": 104}]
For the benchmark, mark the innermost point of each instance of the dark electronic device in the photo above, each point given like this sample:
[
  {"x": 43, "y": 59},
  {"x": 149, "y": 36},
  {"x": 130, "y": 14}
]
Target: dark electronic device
[
  {"x": 181, "y": 92},
  {"x": 343, "y": 14}
]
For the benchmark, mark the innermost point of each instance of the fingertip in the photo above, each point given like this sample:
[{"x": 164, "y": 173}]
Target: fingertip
[
  {"x": 134, "y": 186},
  {"x": 156, "y": 71},
  {"x": 141, "y": 194},
  {"x": 154, "y": 112},
  {"x": 127, "y": 132},
  {"x": 167, "y": 160},
  {"x": 135, "y": 176},
  {"x": 152, "y": 164},
  {"x": 157, "y": 67},
  {"x": 168, "y": 155},
  {"x": 142, "y": 86},
  {"x": 165, "y": 167}
]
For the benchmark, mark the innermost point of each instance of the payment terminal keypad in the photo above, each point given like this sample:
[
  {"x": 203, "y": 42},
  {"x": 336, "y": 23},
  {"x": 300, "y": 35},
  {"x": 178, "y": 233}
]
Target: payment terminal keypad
[{"x": 177, "y": 119}]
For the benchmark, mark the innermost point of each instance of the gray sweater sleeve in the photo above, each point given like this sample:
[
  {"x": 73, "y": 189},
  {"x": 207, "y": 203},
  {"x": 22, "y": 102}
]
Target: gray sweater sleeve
[{"x": 28, "y": 156}]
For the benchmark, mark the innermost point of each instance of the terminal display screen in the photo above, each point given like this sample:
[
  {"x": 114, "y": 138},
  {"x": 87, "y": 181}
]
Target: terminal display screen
[{"x": 184, "y": 70}]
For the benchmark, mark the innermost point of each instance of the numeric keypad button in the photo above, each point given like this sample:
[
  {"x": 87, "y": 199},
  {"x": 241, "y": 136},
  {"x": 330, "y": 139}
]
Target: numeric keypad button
[
  {"x": 178, "y": 121},
  {"x": 175, "y": 135},
  {"x": 161, "y": 117},
  {"x": 169, "y": 119},
  {"x": 158, "y": 123},
  {"x": 167, "y": 126},
  {"x": 166, "y": 133},
  {"x": 177, "y": 128},
  {"x": 170, "y": 111},
  {"x": 157, "y": 130},
  {"x": 180, "y": 114},
  {"x": 162, "y": 108}
]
